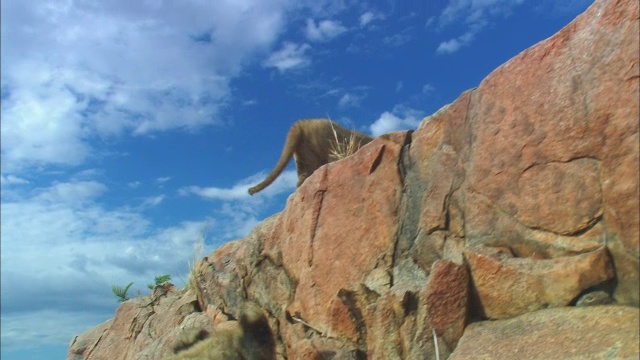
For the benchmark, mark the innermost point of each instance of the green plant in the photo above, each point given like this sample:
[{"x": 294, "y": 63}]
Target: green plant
[
  {"x": 159, "y": 280},
  {"x": 121, "y": 292}
]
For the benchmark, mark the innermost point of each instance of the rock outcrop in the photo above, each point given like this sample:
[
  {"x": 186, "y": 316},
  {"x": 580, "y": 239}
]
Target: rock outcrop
[
  {"x": 517, "y": 203},
  {"x": 142, "y": 328},
  {"x": 602, "y": 332}
]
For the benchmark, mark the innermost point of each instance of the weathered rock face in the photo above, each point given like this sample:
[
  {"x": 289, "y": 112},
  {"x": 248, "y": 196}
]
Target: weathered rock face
[
  {"x": 317, "y": 234},
  {"x": 521, "y": 195},
  {"x": 143, "y": 328},
  {"x": 600, "y": 332},
  {"x": 554, "y": 146},
  {"x": 508, "y": 286}
]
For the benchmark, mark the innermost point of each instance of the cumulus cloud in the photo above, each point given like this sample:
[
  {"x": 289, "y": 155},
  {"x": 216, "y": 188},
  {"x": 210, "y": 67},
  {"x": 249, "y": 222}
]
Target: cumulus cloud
[
  {"x": 73, "y": 71},
  {"x": 42, "y": 127},
  {"x": 59, "y": 246},
  {"x": 323, "y": 30},
  {"x": 399, "y": 119},
  {"x": 290, "y": 56}
]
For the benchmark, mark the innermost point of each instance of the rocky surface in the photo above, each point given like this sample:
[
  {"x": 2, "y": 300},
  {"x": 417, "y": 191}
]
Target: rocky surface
[
  {"x": 507, "y": 286},
  {"x": 515, "y": 202},
  {"x": 601, "y": 332},
  {"x": 142, "y": 328}
]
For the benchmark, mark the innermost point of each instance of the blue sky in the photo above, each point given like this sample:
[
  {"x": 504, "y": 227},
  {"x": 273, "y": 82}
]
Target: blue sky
[{"x": 131, "y": 130}]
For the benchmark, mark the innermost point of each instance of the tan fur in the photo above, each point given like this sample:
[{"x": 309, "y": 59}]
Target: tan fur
[
  {"x": 310, "y": 142},
  {"x": 250, "y": 338}
]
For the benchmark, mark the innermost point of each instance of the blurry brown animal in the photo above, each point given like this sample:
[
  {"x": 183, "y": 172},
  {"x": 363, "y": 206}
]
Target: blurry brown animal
[
  {"x": 312, "y": 143},
  {"x": 250, "y": 338}
]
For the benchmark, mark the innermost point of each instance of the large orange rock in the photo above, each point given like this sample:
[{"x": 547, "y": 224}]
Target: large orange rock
[
  {"x": 447, "y": 300},
  {"x": 145, "y": 327},
  {"x": 339, "y": 227},
  {"x": 541, "y": 158},
  {"x": 508, "y": 286},
  {"x": 555, "y": 141},
  {"x": 597, "y": 332}
]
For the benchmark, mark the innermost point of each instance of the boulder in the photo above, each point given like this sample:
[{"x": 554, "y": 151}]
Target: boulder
[
  {"x": 507, "y": 286},
  {"x": 596, "y": 332}
]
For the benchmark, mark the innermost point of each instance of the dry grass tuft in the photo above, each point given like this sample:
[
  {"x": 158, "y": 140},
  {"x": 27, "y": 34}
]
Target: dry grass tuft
[
  {"x": 197, "y": 250},
  {"x": 343, "y": 148}
]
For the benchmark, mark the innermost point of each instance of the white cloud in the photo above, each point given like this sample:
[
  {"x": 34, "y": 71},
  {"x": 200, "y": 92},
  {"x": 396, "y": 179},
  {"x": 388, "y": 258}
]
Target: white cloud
[
  {"x": 241, "y": 211},
  {"x": 324, "y": 30},
  {"x": 453, "y": 45},
  {"x": 368, "y": 17},
  {"x": 475, "y": 15},
  {"x": 74, "y": 71},
  {"x": 476, "y": 11},
  {"x": 286, "y": 182},
  {"x": 290, "y": 56},
  {"x": 162, "y": 180},
  {"x": 240, "y": 219},
  {"x": 349, "y": 100},
  {"x": 72, "y": 193},
  {"x": 449, "y": 46},
  {"x": 237, "y": 192},
  {"x": 70, "y": 253},
  {"x": 12, "y": 180},
  {"x": 389, "y": 121},
  {"x": 153, "y": 201},
  {"x": 428, "y": 89},
  {"x": 42, "y": 127}
]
